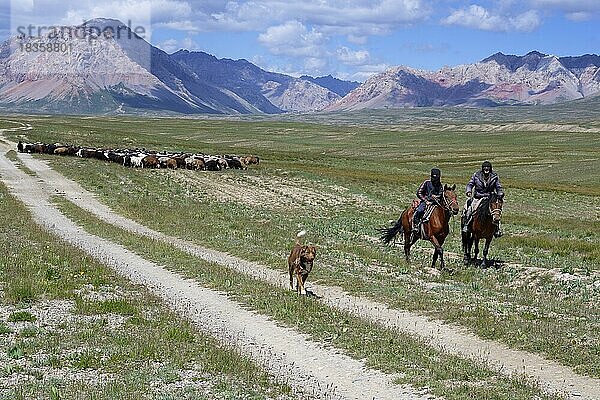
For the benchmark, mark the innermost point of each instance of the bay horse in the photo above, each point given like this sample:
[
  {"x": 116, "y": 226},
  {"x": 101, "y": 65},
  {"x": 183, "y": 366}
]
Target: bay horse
[
  {"x": 435, "y": 229},
  {"x": 485, "y": 221}
]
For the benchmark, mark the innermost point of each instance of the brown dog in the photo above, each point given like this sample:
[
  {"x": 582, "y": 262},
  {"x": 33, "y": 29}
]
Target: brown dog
[{"x": 300, "y": 263}]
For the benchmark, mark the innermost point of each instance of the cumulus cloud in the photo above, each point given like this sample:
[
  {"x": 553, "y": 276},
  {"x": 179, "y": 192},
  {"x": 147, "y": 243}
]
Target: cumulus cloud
[
  {"x": 364, "y": 72},
  {"x": 478, "y": 17},
  {"x": 293, "y": 39},
  {"x": 172, "y": 45},
  {"x": 169, "y": 46},
  {"x": 344, "y": 17},
  {"x": 351, "y": 57}
]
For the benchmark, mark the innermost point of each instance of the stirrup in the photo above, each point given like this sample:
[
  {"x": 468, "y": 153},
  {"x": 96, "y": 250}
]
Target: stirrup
[{"x": 498, "y": 233}]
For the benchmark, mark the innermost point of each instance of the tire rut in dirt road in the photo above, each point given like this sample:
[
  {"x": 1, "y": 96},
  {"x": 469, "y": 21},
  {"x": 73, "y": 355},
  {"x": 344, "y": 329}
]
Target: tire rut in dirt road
[
  {"x": 552, "y": 377},
  {"x": 306, "y": 366}
]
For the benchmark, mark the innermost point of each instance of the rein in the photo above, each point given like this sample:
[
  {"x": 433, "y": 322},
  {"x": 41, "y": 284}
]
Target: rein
[
  {"x": 495, "y": 213},
  {"x": 448, "y": 204}
]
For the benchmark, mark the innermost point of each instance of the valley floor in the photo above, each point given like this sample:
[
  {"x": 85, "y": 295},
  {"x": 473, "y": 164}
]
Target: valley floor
[{"x": 288, "y": 354}]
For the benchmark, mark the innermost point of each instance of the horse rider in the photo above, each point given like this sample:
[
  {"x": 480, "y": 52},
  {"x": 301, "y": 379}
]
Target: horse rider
[
  {"x": 482, "y": 184},
  {"x": 430, "y": 191}
]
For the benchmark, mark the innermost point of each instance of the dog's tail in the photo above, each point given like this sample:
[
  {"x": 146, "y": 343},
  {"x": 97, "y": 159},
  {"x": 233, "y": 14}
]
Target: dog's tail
[{"x": 299, "y": 236}]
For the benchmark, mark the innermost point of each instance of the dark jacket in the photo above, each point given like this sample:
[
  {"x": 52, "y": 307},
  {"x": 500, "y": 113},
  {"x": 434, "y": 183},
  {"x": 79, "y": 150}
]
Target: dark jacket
[
  {"x": 427, "y": 191},
  {"x": 484, "y": 188}
]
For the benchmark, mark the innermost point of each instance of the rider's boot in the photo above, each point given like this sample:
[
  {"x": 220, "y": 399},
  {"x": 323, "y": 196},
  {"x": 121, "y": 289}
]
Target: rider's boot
[
  {"x": 465, "y": 228},
  {"x": 415, "y": 227}
]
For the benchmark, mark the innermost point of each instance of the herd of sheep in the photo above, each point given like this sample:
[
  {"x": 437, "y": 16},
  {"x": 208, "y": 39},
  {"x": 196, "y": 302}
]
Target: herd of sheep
[{"x": 144, "y": 158}]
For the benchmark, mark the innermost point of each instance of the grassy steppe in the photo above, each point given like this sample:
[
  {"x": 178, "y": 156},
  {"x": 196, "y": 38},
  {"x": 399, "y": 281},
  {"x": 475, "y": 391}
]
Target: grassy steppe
[
  {"x": 342, "y": 179},
  {"x": 412, "y": 360},
  {"x": 72, "y": 329}
]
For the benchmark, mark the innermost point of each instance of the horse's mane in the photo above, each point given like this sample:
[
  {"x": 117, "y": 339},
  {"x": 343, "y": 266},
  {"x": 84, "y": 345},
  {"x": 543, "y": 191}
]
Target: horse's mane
[{"x": 483, "y": 211}]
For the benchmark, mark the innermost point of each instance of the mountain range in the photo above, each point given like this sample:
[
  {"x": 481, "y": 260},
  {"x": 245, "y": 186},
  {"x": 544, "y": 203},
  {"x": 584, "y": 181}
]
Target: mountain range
[
  {"x": 100, "y": 72},
  {"x": 500, "y": 79}
]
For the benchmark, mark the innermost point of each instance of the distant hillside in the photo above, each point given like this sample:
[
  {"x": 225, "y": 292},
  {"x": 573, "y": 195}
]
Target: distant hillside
[
  {"x": 270, "y": 92},
  {"x": 500, "y": 79},
  {"x": 336, "y": 85},
  {"x": 104, "y": 73},
  {"x": 107, "y": 73}
]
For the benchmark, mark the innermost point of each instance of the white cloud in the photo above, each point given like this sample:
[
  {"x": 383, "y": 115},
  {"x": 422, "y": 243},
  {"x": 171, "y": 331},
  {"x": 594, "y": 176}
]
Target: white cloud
[
  {"x": 357, "y": 39},
  {"x": 478, "y": 17},
  {"x": 351, "y": 57},
  {"x": 315, "y": 66},
  {"x": 293, "y": 39},
  {"x": 364, "y": 72},
  {"x": 169, "y": 46},
  {"x": 344, "y": 17},
  {"x": 580, "y": 16},
  {"x": 172, "y": 45},
  {"x": 525, "y": 22}
]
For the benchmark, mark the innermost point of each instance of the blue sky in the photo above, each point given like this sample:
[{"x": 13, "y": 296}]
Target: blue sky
[{"x": 350, "y": 39}]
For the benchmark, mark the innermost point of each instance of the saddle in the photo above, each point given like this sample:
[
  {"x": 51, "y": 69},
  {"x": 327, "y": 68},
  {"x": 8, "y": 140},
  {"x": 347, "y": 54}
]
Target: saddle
[{"x": 424, "y": 218}]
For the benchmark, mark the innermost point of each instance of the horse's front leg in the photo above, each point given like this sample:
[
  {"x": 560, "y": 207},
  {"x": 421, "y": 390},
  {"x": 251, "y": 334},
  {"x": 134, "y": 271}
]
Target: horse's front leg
[
  {"x": 437, "y": 252},
  {"x": 486, "y": 248},
  {"x": 476, "y": 251},
  {"x": 407, "y": 245},
  {"x": 466, "y": 245}
]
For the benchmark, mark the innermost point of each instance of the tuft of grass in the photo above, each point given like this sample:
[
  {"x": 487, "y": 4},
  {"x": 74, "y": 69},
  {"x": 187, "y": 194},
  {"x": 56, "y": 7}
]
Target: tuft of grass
[
  {"x": 4, "y": 329},
  {"x": 29, "y": 331},
  {"x": 19, "y": 316},
  {"x": 111, "y": 306},
  {"x": 16, "y": 351}
]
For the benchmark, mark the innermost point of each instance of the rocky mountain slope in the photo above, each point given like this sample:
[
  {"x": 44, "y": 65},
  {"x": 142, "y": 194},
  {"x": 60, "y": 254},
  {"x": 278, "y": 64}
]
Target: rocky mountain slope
[
  {"x": 534, "y": 78},
  {"x": 271, "y": 92},
  {"x": 97, "y": 71},
  {"x": 336, "y": 85}
]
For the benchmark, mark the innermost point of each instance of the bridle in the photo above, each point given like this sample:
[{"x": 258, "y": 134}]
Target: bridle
[
  {"x": 449, "y": 203},
  {"x": 497, "y": 212}
]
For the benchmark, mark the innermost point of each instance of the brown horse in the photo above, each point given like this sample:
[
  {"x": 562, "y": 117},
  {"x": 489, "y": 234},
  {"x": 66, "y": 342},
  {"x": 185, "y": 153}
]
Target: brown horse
[
  {"x": 435, "y": 229},
  {"x": 485, "y": 221}
]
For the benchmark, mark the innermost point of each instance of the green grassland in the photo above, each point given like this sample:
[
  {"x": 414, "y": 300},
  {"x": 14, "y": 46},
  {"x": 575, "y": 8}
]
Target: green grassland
[
  {"x": 101, "y": 337},
  {"x": 411, "y": 360},
  {"x": 342, "y": 176}
]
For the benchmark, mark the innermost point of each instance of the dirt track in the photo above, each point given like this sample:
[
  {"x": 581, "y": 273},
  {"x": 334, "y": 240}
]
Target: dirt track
[
  {"x": 552, "y": 376},
  {"x": 307, "y": 366}
]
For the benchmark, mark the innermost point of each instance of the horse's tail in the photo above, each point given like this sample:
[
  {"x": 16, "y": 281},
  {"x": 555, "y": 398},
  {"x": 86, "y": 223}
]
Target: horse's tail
[{"x": 388, "y": 234}]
